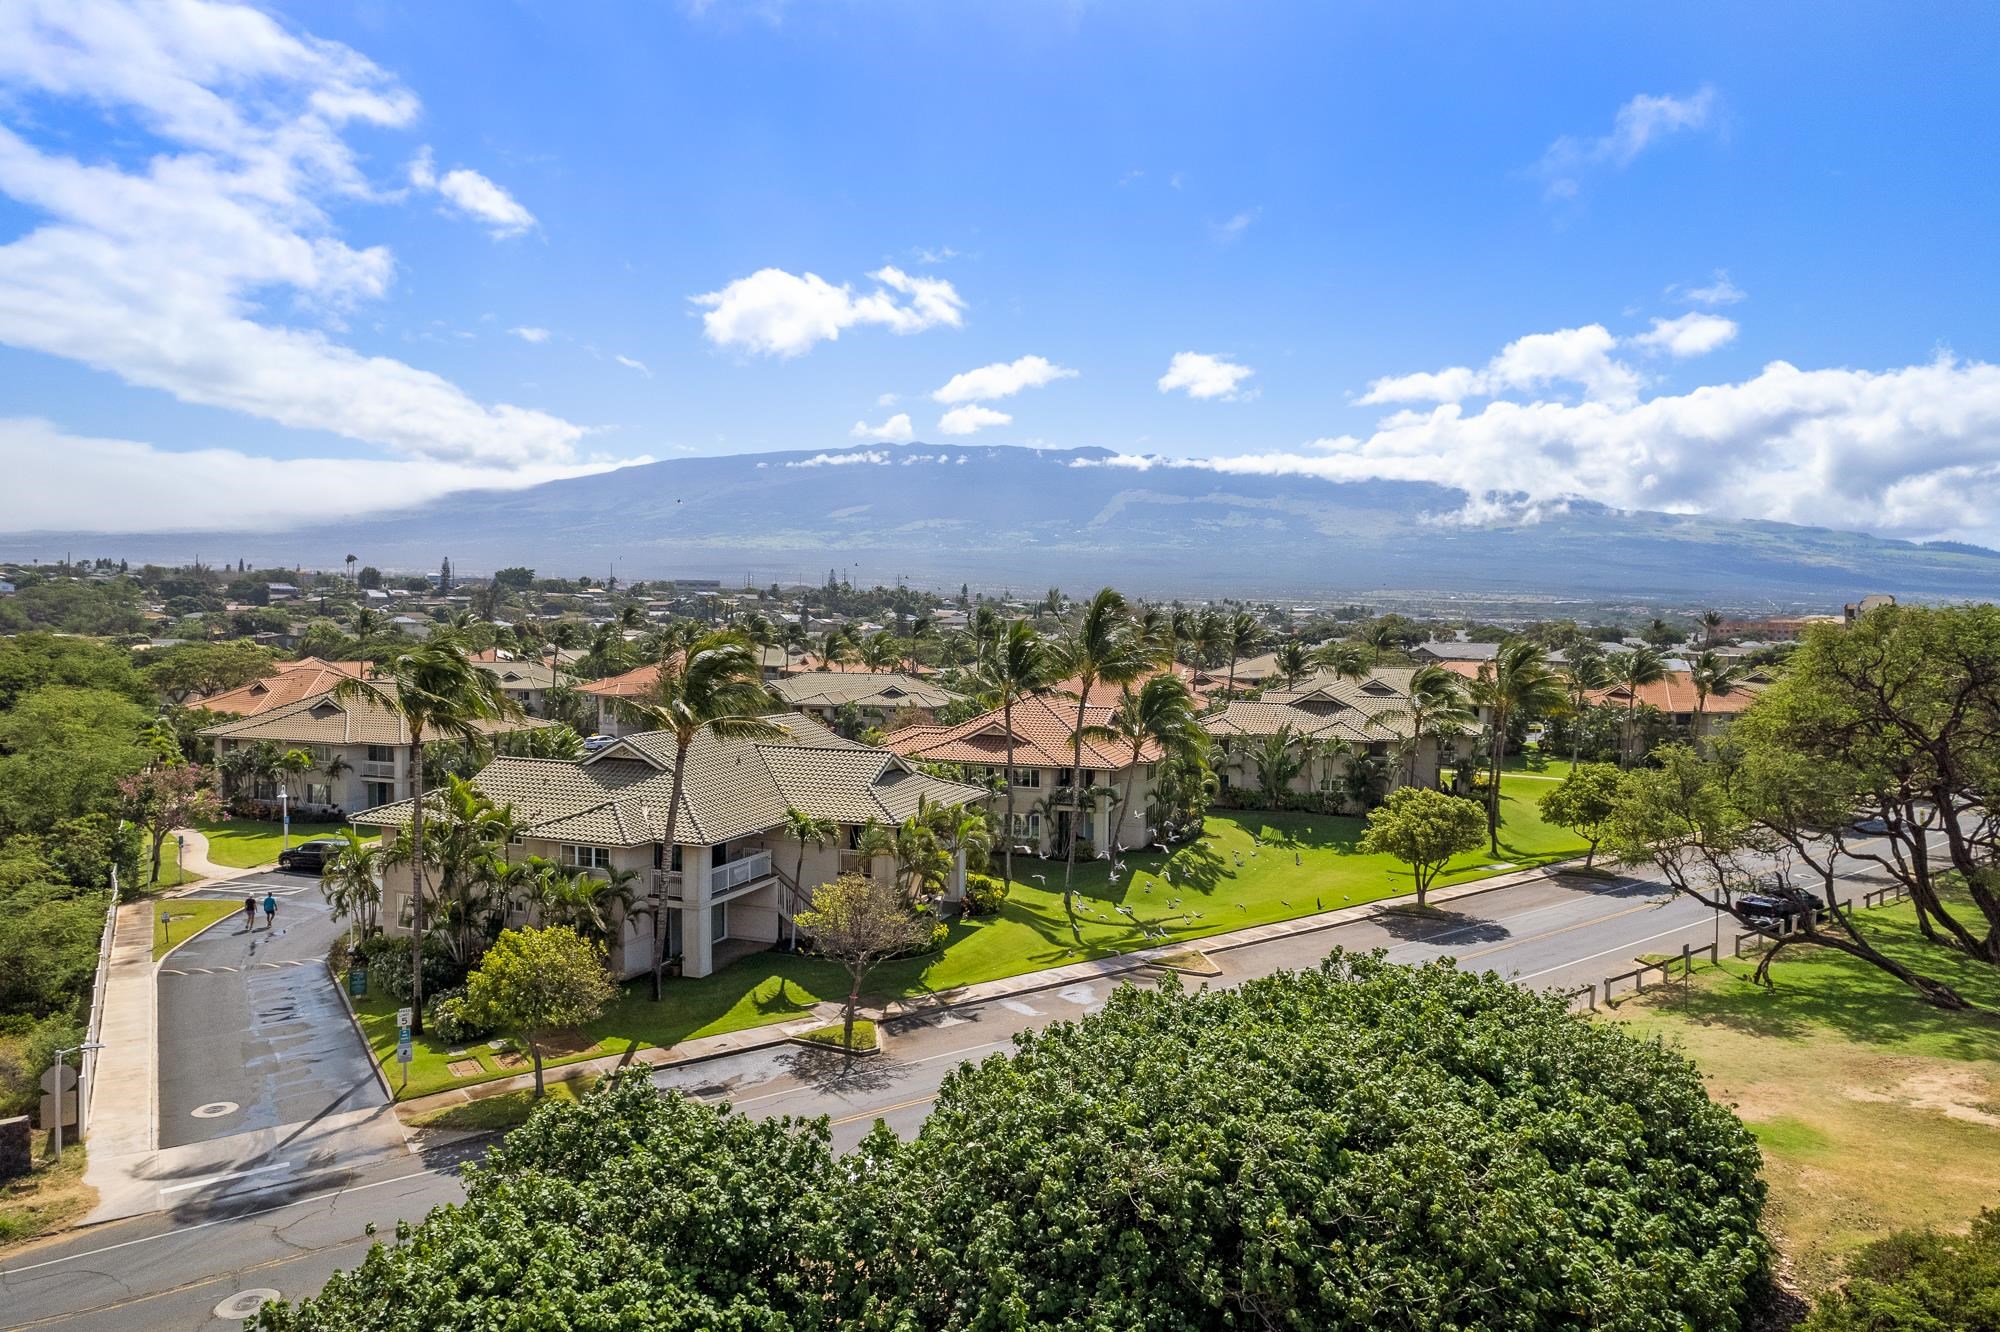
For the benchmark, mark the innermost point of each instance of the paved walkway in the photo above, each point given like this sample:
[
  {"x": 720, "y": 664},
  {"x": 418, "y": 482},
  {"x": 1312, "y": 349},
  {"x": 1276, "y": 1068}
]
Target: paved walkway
[
  {"x": 737, "y": 1042},
  {"x": 123, "y": 1090},
  {"x": 194, "y": 860}
]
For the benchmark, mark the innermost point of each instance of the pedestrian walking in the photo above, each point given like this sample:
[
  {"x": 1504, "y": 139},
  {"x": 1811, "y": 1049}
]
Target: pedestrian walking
[
  {"x": 270, "y": 910},
  {"x": 249, "y": 913}
]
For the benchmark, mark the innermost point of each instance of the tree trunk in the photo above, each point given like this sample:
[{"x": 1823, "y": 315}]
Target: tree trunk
[
  {"x": 535, "y": 1053},
  {"x": 416, "y": 884},
  {"x": 1125, "y": 802},
  {"x": 1007, "y": 847},
  {"x": 660, "y": 890},
  {"x": 847, "y": 1018},
  {"x": 1075, "y": 810},
  {"x": 1493, "y": 794},
  {"x": 1229, "y": 690},
  {"x": 1591, "y": 855},
  {"x": 159, "y": 840}
]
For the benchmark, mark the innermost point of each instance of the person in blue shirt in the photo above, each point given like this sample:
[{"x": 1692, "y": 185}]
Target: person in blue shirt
[{"x": 270, "y": 911}]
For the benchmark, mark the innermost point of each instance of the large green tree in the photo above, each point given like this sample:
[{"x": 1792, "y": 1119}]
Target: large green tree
[
  {"x": 1517, "y": 683},
  {"x": 1016, "y": 665},
  {"x": 541, "y": 983},
  {"x": 1423, "y": 828}
]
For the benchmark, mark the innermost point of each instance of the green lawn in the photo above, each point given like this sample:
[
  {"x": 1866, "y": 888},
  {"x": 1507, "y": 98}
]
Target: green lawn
[
  {"x": 1875, "y": 1111},
  {"x": 191, "y": 915},
  {"x": 492, "y": 1114},
  {"x": 1209, "y": 893},
  {"x": 248, "y": 843}
]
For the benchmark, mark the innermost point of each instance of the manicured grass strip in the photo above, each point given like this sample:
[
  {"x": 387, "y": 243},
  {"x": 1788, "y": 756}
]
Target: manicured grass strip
[
  {"x": 831, "y": 1036},
  {"x": 495, "y": 1114},
  {"x": 248, "y": 843},
  {"x": 1874, "y": 1110},
  {"x": 191, "y": 915}
]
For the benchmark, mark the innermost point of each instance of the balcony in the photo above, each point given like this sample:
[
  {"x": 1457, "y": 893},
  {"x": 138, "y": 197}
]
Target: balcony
[
  {"x": 667, "y": 885},
  {"x": 380, "y": 772},
  {"x": 725, "y": 878}
]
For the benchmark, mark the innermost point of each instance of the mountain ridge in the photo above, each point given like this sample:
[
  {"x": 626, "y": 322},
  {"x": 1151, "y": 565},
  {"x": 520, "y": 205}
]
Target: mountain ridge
[{"x": 1021, "y": 517}]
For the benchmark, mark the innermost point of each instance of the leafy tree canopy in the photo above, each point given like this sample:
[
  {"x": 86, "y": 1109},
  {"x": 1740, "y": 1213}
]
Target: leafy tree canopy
[{"x": 1364, "y": 1145}]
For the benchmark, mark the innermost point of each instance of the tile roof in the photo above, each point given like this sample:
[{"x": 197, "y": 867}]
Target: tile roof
[
  {"x": 731, "y": 788},
  {"x": 523, "y": 676},
  {"x": 323, "y": 720},
  {"x": 1044, "y": 725},
  {"x": 627, "y": 684},
  {"x": 1675, "y": 693},
  {"x": 1199, "y": 683},
  {"x": 1324, "y": 707},
  {"x": 290, "y": 682},
  {"x": 831, "y": 689}
]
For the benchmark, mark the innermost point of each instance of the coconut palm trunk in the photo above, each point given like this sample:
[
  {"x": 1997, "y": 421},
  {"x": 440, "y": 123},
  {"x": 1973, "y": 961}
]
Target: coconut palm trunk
[
  {"x": 417, "y": 930},
  {"x": 660, "y": 889},
  {"x": 1075, "y": 812},
  {"x": 1007, "y": 847}
]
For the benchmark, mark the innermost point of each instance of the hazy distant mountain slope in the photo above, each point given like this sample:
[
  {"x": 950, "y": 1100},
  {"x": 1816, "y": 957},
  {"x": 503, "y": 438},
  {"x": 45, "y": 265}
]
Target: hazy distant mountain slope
[{"x": 1004, "y": 516}]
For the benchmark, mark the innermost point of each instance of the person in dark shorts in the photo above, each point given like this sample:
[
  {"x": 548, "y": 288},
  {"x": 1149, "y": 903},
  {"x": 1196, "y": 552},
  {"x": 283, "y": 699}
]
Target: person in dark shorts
[
  {"x": 270, "y": 911},
  {"x": 249, "y": 913}
]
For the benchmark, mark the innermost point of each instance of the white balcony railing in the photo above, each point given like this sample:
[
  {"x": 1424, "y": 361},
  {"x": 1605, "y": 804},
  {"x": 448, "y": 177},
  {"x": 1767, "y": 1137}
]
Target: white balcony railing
[
  {"x": 739, "y": 872},
  {"x": 378, "y": 771}
]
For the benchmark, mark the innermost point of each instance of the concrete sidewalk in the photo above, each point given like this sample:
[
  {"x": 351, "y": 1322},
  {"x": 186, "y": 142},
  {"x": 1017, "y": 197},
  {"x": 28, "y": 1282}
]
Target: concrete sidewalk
[
  {"x": 123, "y": 1092},
  {"x": 1103, "y": 968},
  {"x": 194, "y": 860}
]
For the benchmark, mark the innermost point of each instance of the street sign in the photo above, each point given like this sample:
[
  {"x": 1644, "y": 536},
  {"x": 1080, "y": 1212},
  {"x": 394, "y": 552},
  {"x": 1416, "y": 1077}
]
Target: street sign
[
  {"x": 404, "y": 1054},
  {"x": 60, "y": 1078},
  {"x": 403, "y": 1018},
  {"x": 357, "y": 981}
]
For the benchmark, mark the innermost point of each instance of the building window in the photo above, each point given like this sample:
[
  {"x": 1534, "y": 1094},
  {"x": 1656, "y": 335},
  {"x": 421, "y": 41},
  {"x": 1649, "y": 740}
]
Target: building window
[
  {"x": 585, "y": 857},
  {"x": 381, "y": 754},
  {"x": 1329, "y": 782},
  {"x": 1028, "y": 826},
  {"x": 1028, "y": 779}
]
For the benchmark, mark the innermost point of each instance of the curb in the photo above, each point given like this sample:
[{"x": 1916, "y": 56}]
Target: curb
[{"x": 381, "y": 1075}]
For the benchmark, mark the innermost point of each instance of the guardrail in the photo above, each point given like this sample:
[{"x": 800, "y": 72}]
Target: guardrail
[
  {"x": 87, "y": 1066},
  {"x": 739, "y": 872},
  {"x": 1638, "y": 974}
]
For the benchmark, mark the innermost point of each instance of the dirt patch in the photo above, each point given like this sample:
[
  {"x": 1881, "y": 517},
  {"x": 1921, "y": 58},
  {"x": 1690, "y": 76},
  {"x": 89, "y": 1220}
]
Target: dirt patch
[
  {"x": 1954, "y": 1093},
  {"x": 465, "y": 1068}
]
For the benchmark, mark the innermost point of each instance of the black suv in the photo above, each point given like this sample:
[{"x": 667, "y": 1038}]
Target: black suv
[{"x": 309, "y": 856}]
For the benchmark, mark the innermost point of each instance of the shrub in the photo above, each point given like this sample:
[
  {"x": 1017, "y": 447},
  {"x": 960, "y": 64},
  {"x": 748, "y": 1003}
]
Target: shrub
[
  {"x": 1362, "y": 1145},
  {"x": 1919, "y": 1281},
  {"x": 984, "y": 894},
  {"x": 388, "y": 960},
  {"x": 449, "y": 1018}
]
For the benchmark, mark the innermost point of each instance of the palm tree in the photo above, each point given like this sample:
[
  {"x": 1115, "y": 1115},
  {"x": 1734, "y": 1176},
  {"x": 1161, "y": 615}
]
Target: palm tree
[
  {"x": 564, "y": 636},
  {"x": 808, "y": 830},
  {"x": 1017, "y": 666},
  {"x": 881, "y": 651},
  {"x": 1102, "y": 648},
  {"x": 1436, "y": 708},
  {"x": 1279, "y": 758},
  {"x": 1517, "y": 682},
  {"x": 1242, "y": 637},
  {"x": 1345, "y": 658},
  {"x": 437, "y": 695},
  {"x": 1161, "y": 710},
  {"x": 1294, "y": 662},
  {"x": 986, "y": 629},
  {"x": 715, "y": 684},
  {"x": 1584, "y": 673},
  {"x": 1712, "y": 677},
  {"x": 351, "y": 882},
  {"x": 793, "y": 638},
  {"x": 1711, "y": 626},
  {"x": 1632, "y": 671},
  {"x": 350, "y": 568},
  {"x": 1211, "y": 638},
  {"x": 366, "y": 626},
  {"x": 835, "y": 649},
  {"x": 1180, "y": 629},
  {"x": 607, "y": 655}
]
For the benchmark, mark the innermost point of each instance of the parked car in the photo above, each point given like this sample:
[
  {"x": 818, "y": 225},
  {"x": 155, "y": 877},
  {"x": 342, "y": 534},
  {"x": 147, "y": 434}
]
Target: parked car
[
  {"x": 311, "y": 856},
  {"x": 1761, "y": 910}
]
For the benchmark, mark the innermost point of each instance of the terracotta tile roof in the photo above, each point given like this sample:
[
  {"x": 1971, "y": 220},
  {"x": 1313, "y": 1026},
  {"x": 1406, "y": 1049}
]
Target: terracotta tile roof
[
  {"x": 831, "y": 689},
  {"x": 731, "y": 788},
  {"x": 323, "y": 720},
  {"x": 1675, "y": 693},
  {"x": 1044, "y": 724},
  {"x": 290, "y": 682},
  {"x": 627, "y": 684},
  {"x": 1199, "y": 683}
]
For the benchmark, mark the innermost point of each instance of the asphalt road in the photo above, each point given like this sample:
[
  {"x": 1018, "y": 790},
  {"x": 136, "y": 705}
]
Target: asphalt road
[
  {"x": 252, "y": 1034},
  {"x": 172, "y": 1270}
]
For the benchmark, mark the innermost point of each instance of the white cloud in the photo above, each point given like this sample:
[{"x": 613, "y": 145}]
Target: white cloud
[
  {"x": 1693, "y": 334},
  {"x": 887, "y": 399},
  {"x": 776, "y": 313},
  {"x": 1232, "y": 230},
  {"x": 529, "y": 333},
  {"x": 941, "y": 254},
  {"x": 1639, "y": 124},
  {"x": 163, "y": 273},
  {"x": 1909, "y": 452},
  {"x": 1580, "y": 356},
  {"x": 1204, "y": 376},
  {"x": 631, "y": 364},
  {"x": 966, "y": 420},
  {"x": 1002, "y": 379},
  {"x": 1719, "y": 291},
  {"x": 64, "y": 482},
  {"x": 868, "y": 456},
  {"x": 473, "y": 195},
  {"x": 895, "y": 430}
]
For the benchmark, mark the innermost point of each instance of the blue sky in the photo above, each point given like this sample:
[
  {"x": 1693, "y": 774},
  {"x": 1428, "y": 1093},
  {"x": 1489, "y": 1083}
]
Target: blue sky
[{"x": 268, "y": 263}]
